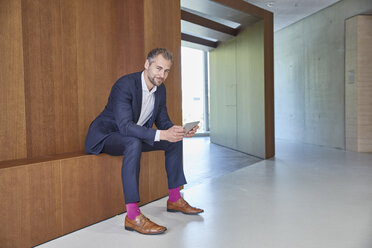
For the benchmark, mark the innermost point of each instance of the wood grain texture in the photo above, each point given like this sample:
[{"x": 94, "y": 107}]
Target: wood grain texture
[
  {"x": 165, "y": 31},
  {"x": 364, "y": 75},
  {"x": 12, "y": 103},
  {"x": 197, "y": 40},
  {"x": 42, "y": 66},
  {"x": 30, "y": 203},
  {"x": 358, "y": 84},
  {"x": 269, "y": 84},
  {"x": 110, "y": 44},
  {"x": 74, "y": 51},
  {"x": 49, "y": 36},
  {"x": 29, "y": 161},
  {"x": 91, "y": 190},
  {"x": 153, "y": 177},
  {"x": 43, "y": 200},
  {"x": 199, "y": 20},
  {"x": 65, "y": 91}
]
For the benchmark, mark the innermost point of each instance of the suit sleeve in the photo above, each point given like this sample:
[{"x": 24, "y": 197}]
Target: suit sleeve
[{"x": 122, "y": 99}]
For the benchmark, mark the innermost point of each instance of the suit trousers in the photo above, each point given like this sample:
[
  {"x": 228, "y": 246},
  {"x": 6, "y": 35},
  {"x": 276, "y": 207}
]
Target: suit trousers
[{"x": 117, "y": 144}]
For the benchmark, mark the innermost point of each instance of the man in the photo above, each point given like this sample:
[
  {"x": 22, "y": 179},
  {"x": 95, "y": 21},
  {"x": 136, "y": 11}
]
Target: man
[{"x": 124, "y": 127}]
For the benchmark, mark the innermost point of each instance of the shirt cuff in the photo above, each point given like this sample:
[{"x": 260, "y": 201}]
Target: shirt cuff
[{"x": 157, "y": 135}]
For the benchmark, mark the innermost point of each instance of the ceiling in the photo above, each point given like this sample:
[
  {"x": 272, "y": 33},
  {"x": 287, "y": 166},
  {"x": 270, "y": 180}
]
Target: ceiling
[
  {"x": 206, "y": 23},
  {"x": 287, "y": 12}
]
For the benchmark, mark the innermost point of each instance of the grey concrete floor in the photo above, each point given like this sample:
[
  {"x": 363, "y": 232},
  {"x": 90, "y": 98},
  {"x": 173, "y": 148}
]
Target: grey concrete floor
[
  {"x": 204, "y": 160},
  {"x": 305, "y": 197}
]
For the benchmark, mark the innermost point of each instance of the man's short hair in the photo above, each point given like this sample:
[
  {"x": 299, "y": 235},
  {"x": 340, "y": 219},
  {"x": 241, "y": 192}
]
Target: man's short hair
[{"x": 163, "y": 51}]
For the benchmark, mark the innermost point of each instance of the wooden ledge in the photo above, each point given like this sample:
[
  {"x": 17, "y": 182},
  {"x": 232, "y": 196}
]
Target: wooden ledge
[
  {"x": 20, "y": 162},
  {"x": 44, "y": 198}
]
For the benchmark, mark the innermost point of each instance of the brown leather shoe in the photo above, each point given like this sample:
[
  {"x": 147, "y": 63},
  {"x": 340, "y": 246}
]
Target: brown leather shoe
[
  {"x": 182, "y": 206},
  {"x": 143, "y": 225}
]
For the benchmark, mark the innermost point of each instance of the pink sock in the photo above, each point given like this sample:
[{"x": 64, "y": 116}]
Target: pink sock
[
  {"x": 132, "y": 210},
  {"x": 174, "y": 194}
]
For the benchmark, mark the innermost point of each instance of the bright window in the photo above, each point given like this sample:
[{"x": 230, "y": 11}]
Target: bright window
[{"x": 195, "y": 87}]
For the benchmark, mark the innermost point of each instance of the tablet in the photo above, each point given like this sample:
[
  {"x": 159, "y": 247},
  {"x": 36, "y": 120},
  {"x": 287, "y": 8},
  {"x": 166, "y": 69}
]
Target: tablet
[{"x": 190, "y": 125}]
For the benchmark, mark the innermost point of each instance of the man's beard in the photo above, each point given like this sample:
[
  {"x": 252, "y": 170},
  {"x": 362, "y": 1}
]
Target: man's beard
[{"x": 152, "y": 80}]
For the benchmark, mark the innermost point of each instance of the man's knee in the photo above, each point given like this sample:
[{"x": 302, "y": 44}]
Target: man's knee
[
  {"x": 133, "y": 145},
  {"x": 175, "y": 146}
]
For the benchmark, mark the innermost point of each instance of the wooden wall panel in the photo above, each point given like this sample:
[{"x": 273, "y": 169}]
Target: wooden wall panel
[
  {"x": 12, "y": 104},
  {"x": 128, "y": 50},
  {"x": 91, "y": 190},
  {"x": 110, "y": 44},
  {"x": 65, "y": 90},
  {"x": 11, "y": 194},
  {"x": 49, "y": 36},
  {"x": 42, "y": 66},
  {"x": 158, "y": 182},
  {"x": 30, "y": 203},
  {"x": 164, "y": 30},
  {"x": 358, "y": 84},
  {"x": 44, "y": 212},
  {"x": 43, "y": 200},
  {"x": 153, "y": 177},
  {"x": 74, "y": 51},
  {"x": 269, "y": 84},
  {"x": 364, "y": 83}
]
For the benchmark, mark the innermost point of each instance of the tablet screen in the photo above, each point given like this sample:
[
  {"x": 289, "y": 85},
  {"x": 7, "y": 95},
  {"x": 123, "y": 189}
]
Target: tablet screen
[{"x": 190, "y": 125}]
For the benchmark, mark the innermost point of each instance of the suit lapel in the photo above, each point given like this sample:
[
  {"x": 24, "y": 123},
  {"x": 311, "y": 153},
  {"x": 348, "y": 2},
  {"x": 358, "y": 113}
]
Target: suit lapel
[
  {"x": 137, "y": 109},
  {"x": 156, "y": 105}
]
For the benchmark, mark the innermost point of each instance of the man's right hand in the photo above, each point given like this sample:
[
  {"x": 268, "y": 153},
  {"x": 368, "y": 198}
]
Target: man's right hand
[{"x": 173, "y": 134}]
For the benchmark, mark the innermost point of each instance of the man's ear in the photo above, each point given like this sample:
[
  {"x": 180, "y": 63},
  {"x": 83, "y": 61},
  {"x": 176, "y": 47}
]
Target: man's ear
[{"x": 147, "y": 64}]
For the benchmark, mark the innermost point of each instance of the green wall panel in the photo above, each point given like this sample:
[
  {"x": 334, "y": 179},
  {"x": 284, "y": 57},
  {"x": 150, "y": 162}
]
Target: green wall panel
[
  {"x": 223, "y": 95},
  {"x": 237, "y": 92},
  {"x": 250, "y": 91}
]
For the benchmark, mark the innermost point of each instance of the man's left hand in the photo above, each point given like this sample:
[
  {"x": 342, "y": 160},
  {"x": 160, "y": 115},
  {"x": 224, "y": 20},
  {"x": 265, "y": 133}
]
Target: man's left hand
[{"x": 192, "y": 132}]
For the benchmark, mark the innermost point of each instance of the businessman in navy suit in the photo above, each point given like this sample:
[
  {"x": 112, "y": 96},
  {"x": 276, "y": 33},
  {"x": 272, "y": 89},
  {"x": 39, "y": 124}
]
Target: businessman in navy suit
[{"x": 125, "y": 127}]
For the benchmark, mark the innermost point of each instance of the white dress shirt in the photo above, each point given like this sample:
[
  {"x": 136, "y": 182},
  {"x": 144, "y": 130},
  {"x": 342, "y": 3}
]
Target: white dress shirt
[{"x": 148, "y": 101}]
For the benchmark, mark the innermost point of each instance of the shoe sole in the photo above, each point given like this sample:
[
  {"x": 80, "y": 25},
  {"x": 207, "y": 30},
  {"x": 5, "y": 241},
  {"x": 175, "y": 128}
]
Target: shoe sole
[
  {"x": 175, "y": 211},
  {"x": 131, "y": 229}
]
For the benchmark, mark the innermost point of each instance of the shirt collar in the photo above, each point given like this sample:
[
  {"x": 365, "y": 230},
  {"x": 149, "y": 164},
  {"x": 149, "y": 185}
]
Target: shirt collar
[{"x": 144, "y": 86}]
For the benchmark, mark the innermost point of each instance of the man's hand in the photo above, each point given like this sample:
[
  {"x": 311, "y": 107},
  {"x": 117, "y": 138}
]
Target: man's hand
[
  {"x": 192, "y": 132},
  {"x": 173, "y": 134}
]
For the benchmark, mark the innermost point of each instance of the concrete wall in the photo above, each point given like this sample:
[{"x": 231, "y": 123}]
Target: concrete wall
[
  {"x": 309, "y": 61},
  {"x": 237, "y": 108}
]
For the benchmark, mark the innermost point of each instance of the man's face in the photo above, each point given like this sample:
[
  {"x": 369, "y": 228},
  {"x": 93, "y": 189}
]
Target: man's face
[{"x": 158, "y": 70}]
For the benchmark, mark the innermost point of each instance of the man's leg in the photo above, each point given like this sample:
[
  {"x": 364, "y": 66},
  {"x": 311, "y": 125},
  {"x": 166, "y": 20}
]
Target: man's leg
[
  {"x": 175, "y": 174},
  {"x": 173, "y": 161},
  {"x": 117, "y": 144},
  {"x": 173, "y": 166}
]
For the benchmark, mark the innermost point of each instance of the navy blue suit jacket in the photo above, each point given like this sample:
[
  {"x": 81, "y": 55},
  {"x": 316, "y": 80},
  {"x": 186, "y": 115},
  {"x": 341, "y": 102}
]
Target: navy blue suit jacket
[{"x": 122, "y": 112}]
